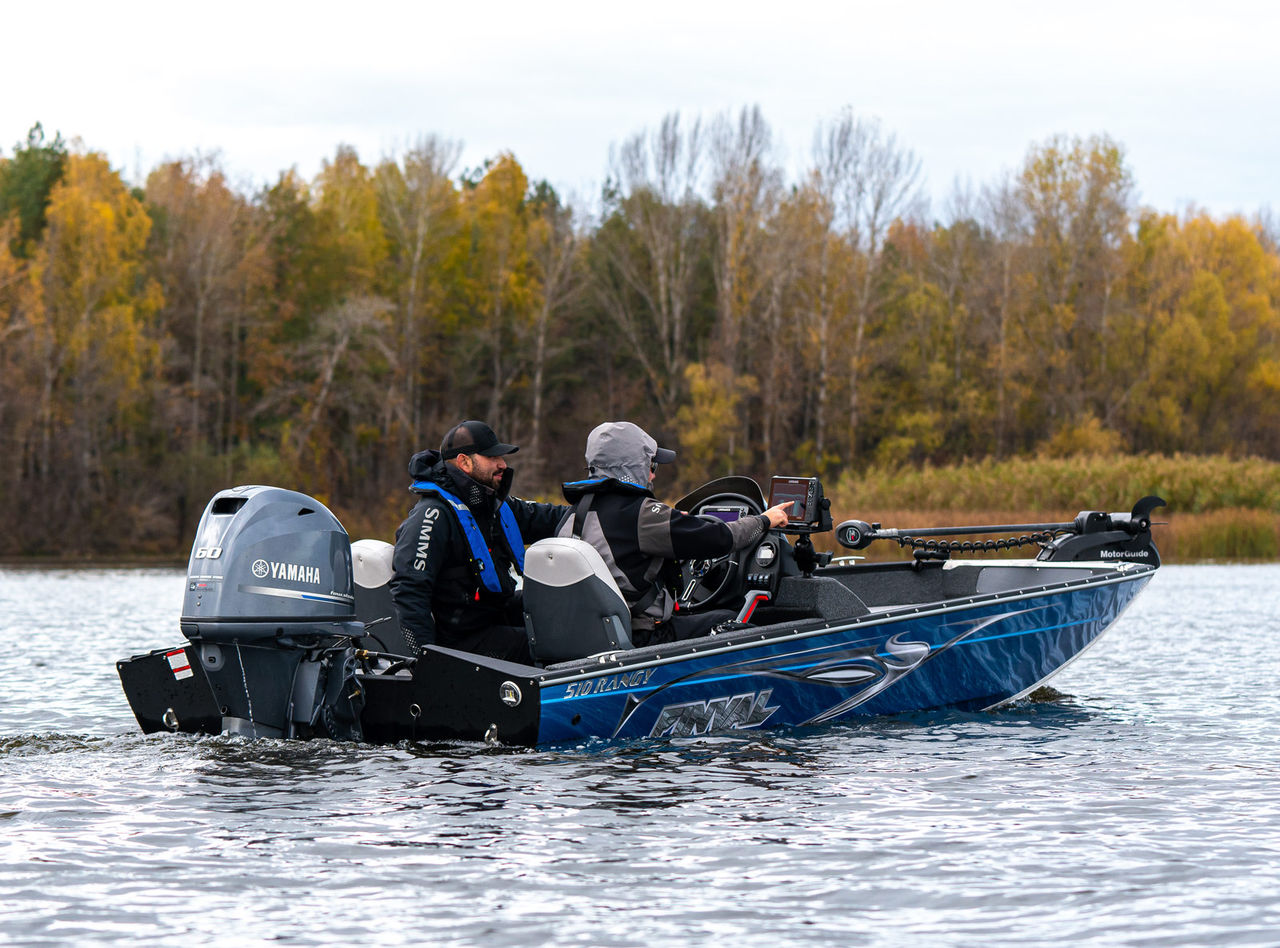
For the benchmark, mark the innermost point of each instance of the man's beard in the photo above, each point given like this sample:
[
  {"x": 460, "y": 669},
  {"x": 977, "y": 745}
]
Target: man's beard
[{"x": 490, "y": 480}]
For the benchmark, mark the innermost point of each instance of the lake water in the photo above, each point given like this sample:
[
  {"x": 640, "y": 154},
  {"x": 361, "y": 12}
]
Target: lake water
[{"x": 1141, "y": 807}]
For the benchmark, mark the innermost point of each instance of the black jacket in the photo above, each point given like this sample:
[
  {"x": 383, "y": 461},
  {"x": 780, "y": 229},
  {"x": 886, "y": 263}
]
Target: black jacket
[
  {"x": 437, "y": 591},
  {"x": 641, "y": 539}
]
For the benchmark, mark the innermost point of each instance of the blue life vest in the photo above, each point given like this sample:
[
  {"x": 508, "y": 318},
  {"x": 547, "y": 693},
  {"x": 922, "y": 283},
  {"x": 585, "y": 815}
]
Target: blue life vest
[
  {"x": 471, "y": 530},
  {"x": 596, "y": 481}
]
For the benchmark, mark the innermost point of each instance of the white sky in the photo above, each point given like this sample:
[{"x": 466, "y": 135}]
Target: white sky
[{"x": 1191, "y": 89}]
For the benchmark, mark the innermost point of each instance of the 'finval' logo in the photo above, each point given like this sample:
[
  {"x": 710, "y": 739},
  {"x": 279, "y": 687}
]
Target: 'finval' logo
[{"x": 700, "y": 717}]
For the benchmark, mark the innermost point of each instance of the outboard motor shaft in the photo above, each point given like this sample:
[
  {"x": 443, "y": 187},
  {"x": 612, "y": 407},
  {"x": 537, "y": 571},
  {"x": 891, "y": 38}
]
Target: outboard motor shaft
[{"x": 270, "y": 604}]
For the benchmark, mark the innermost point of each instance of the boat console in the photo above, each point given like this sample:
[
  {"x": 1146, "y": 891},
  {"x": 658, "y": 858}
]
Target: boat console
[{"x": 754, "y": 577}]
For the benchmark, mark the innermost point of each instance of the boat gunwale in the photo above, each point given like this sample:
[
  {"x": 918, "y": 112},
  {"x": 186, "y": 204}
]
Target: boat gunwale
[{"x": 612, "y": 663}]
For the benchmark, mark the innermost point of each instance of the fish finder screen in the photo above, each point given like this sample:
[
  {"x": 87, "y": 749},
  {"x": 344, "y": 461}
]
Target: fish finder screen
[
  {"x": 801, "y": 491},
  {"x": 727, "y": 514}
]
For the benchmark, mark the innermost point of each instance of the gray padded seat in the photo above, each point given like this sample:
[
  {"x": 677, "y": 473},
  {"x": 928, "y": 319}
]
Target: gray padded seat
[
  {"x": 572, "y": 606},
  {"x": 371, "y": 569}
]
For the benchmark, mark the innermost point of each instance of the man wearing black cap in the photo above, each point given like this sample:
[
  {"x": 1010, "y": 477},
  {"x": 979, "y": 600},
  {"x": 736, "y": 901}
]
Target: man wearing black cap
[
  {"x": 642, "y": 539},
  {"x": 452, "y": 572}
]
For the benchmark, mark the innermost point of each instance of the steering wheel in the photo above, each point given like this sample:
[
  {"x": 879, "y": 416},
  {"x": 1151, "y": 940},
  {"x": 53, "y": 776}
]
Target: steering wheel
[{"x": 704, "y": 581}]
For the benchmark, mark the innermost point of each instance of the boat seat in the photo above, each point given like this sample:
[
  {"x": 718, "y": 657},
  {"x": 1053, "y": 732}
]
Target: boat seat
[
  {"x": 572, "y": 606},
  {"x": 371, "y": 562},
  {"x": 371, "y": 570}
]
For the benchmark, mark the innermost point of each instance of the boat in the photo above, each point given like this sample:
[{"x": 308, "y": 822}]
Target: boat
[{"x": 289, "y": 630}]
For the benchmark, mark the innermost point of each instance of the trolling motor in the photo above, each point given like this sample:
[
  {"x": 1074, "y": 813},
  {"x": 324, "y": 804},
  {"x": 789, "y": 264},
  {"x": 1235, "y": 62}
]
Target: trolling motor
[
  {"x": 1093, "y": 535},
  {"x": 270, "y": 606}
]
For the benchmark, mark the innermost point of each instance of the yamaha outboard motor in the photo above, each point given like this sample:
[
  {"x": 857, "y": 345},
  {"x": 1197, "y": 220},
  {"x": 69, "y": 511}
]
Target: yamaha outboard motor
[{"x": 270, "y": 605}]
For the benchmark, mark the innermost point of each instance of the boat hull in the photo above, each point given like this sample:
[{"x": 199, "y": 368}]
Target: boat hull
[{"x": 971, "y": 655}]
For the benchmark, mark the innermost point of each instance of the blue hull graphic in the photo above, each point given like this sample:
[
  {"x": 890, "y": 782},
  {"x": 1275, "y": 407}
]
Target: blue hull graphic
[{"x": 970, "y": 655}]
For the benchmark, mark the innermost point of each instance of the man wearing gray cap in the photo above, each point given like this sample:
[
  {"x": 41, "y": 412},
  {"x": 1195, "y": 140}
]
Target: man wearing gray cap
[
  {"x": 642, "y": 539},
  {"x": 456, "y": 554}
]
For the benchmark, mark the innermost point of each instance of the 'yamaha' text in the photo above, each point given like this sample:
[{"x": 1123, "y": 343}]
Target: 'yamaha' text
[{"x": 289, "y": 572}]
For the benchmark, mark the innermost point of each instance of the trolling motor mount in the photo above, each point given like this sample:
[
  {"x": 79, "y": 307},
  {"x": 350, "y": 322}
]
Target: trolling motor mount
[{"x": 1092, "y": 535}]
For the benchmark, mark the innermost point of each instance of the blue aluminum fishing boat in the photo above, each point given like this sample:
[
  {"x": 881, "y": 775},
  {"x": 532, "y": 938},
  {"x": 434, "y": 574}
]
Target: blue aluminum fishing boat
[{"x": 291, "y": 633}]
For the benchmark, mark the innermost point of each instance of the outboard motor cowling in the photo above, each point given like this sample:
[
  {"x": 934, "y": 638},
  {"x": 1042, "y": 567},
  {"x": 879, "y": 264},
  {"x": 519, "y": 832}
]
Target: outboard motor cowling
[
  {"x": 270, "y": 602},
  {"x": 268, "y": 562}
]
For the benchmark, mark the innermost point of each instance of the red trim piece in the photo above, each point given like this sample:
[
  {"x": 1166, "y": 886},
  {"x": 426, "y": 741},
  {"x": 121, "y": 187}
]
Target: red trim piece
[{"x": 751, "y": 607}]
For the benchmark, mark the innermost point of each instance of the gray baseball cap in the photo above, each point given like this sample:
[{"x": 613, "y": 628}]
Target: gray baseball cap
[{"x": 624, "y": 451}]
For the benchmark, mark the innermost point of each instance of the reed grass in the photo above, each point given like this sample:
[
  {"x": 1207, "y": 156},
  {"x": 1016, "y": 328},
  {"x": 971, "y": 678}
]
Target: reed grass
[
  {"x": 1189, "y": 483},
  {"x": 1235, "y": 536}
]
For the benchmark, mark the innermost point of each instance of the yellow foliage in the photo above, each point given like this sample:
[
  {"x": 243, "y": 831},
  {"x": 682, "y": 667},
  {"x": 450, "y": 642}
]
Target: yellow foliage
[
  {"x": 1087, "y": 437},
  {"x": 916, "y": 435},
  {"x": 709, "y": 420},
  {"x": 502, "y": 286},
  {"x": 348, "y": 196},
  {"x": 89, "y": 267}
]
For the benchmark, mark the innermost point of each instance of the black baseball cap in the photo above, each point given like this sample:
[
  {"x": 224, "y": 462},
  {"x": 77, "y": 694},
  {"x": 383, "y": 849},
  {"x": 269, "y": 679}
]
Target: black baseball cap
[{"x": 473, "y": 437}]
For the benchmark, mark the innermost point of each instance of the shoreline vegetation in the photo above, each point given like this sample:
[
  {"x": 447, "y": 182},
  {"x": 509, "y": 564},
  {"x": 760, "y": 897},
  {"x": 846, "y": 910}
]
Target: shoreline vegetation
[
  {"x": 1218, "y": 509},
  {"x": 170, "y": 336}
]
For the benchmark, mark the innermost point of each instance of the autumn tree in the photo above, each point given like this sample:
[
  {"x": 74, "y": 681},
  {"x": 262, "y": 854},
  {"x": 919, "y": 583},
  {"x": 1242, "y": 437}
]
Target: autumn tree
[
  {"x": 650, "y": 252},
  {"x": 1003, "y": 218},
  {"x": 331, "y": 358},
  {"x": 307, "y": 275},
  {"x": 867, "y": 180},
  {"x": 346, "y": 197},
  {"x": 89, "y": 335},
  {"x": 783, "y": 352},
  {"x": 556, "y": 258},
  {"x": 500, "y": 295},
  {"x": 746, "y": 187},
  {"x": 1076, "y": 196},
  {"x": 26, "y": 181},
  {"x": 419, "y": 208},
  {"x": 1203, "y": 332},
  {"x": 207, "y": 255},
  {"x": 714, "y": 405},
  {"x": 19, "y": 376}
]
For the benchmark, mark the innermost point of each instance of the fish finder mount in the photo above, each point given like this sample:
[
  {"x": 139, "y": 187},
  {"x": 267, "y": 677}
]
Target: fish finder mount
[
  {"x": 810, "y": 513},
  {"x": 810, "y": 510}
]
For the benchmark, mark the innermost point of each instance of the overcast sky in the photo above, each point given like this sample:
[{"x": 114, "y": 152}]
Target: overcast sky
[{"x": 1191, "y": 90}]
